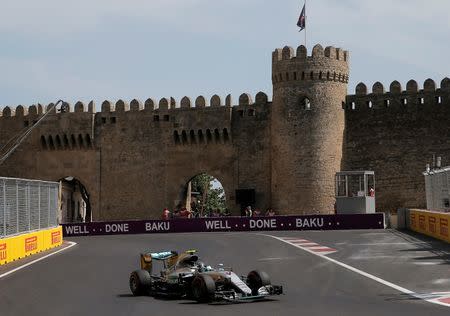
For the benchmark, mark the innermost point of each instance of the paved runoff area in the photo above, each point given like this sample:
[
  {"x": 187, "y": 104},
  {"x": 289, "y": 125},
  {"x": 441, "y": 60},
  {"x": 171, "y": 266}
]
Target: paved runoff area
[{"x": 379, "y": 272}]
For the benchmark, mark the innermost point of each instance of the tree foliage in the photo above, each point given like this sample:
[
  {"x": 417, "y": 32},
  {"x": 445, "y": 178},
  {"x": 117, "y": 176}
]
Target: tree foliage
[{"x": 210, "y": 198}]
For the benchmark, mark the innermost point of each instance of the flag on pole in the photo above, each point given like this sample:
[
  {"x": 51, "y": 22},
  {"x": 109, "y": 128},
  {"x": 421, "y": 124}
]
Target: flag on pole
[{"x": 302, "y": 19}]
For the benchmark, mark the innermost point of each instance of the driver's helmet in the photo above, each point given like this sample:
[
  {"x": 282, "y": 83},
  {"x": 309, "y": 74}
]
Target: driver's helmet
[{"x": 201, "y": 266}]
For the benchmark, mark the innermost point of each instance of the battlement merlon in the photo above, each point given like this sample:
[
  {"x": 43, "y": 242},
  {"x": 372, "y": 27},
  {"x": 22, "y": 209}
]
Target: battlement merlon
[
  {"x": 122, "y": 107},
  {"x": 430, "y": 95},
  {"x": 170, "y": 104},
  {"x": 329, "y": 64}
]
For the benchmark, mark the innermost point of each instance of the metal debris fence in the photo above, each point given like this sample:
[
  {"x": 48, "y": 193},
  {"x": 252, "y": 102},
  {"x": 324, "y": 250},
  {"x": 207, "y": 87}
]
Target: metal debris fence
[{"x": 27, "y": 205}]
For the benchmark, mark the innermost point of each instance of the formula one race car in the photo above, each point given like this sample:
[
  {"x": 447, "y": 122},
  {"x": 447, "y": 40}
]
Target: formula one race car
[{"x": 185, "y": 276}]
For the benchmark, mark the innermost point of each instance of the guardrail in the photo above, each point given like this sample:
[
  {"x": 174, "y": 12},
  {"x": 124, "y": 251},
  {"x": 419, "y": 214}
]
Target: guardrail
[
  {"x": 226, "y": 224},
  {"x": 25, "y": 245},
  {"x": 433, "y": 224}
]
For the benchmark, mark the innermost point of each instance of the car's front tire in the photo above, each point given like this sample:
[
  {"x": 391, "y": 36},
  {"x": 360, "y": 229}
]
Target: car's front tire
[
  {"x": 256, "y": 279},
  {"x": 203, "y": 288},
  {"x": 140, "y": 282}
]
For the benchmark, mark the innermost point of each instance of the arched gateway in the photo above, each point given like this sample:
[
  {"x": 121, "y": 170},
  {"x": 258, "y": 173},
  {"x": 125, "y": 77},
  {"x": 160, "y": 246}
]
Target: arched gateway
[{"x": 135, "y": 159}]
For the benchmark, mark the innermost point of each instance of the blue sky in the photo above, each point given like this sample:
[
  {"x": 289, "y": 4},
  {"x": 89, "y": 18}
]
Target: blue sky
[{"x": 111, "y": 49}]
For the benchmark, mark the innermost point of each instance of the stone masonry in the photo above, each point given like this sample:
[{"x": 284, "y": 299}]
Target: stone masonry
[{"x": 135, "y": 159}]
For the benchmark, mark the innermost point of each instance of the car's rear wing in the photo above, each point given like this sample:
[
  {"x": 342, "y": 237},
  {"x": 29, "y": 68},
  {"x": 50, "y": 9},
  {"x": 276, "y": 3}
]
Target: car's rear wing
[{"x": 166, "y": 256}]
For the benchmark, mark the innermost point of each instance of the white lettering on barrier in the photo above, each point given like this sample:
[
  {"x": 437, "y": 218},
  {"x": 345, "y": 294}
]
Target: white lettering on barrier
[
  {"x": 217, "y": 225},
  {"x": 116, "y": 228},
  {"x": 263, "y": 223},
  {"x": 76, "y": 230},
  {"x": 161, "y": 226},
  {"x": 309, "y": 223}
]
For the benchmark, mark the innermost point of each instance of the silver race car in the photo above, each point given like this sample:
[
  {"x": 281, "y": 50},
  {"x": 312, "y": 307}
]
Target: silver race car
[{"x": 185, "y": 276}]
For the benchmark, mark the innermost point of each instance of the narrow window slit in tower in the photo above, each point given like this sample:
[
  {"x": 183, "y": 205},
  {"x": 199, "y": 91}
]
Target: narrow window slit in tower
[
  {"x": 287, "y": 76},
  {"x": 439, "y": 100},
  {"x": 295, "y": 75},
  {"x": 370, "y": 104},
  {"x": 307, "y": 104},
  {"x": 251, "y": 112},
  {"x": 421, "y": 101},
  {"x": 155, "y": 118},
  {"x": 353, "y": 106},
  {"x": 387, "y": 103},
  {"x": 405, "y": 101}
]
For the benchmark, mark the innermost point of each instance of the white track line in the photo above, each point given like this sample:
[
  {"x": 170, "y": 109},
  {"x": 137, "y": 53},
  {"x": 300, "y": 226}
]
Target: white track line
[
  {"x": 71, "y": 244},
  {"x": 367, "y": 275}
]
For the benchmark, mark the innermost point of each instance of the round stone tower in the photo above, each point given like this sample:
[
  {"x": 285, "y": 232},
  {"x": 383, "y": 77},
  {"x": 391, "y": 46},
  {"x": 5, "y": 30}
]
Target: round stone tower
[{"x": 307, "y": 127}]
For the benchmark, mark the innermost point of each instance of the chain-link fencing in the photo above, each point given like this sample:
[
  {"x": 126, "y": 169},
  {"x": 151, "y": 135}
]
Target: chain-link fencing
[{"x": 27, "y": 205}]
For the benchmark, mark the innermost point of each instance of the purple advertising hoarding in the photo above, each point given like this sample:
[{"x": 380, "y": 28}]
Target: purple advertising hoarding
[{"x": 228, "y": 224}]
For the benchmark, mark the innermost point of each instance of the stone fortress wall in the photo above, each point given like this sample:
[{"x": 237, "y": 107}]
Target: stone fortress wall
[
  {"x": 135, "y": 159},
  {"x": 396, "y": 133}
]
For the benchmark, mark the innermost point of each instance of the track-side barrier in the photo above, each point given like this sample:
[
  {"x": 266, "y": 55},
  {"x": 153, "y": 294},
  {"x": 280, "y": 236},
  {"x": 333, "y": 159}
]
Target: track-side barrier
[
  {"x": 228, "y": 224},
  {"x": 433, "y": 224},
  {"x": 21, "y": 246}
]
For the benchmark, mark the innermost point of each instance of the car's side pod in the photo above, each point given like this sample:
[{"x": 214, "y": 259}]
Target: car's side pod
[{"x": 146, "y": 262}]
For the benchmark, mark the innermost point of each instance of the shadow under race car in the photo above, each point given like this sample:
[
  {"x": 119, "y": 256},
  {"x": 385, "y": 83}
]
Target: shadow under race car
[{"x": 184, "y": 276}]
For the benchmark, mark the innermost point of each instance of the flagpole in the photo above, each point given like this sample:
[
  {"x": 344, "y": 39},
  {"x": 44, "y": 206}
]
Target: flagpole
[{"x": 306, "y": 20}]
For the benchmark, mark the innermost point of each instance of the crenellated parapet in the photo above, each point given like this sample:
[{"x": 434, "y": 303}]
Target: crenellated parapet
[
  {"x": 329, "y": 64},
  {"x": 399, "y": 98},
  {"x": 33, "y": 111},
  {"x": 123, "y": 106},
  {"x": 171, "y": 104}
]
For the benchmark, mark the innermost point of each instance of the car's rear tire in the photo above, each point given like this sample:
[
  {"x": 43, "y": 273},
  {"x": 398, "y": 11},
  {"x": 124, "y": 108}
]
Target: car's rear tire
[
  {"x": 140, "y": 282},
  {"x": 256, "y": 279},
  {"x": 203, "y": 288}
]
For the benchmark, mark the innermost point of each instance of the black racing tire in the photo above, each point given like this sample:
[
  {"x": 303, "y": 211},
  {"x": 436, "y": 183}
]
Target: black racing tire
[
  {"x": 203, "y": 288},
  {"x": 257, "y": 279},
  {"x": 140, "y": 282}
]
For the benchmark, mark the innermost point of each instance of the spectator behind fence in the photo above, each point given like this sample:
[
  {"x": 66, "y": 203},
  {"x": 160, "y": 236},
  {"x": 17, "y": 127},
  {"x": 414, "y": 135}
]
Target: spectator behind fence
[
  {"x": 166, "y": 214},
  {"x": 257, "y": 213},
  {"x": 248, "y": 211},
  {"x": 270, "y": 212},
  {"x": 184, "y": 213}
]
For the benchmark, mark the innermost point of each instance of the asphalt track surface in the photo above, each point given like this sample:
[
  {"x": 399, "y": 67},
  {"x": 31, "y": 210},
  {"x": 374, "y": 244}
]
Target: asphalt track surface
[{"x": 91, "y": 278}]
